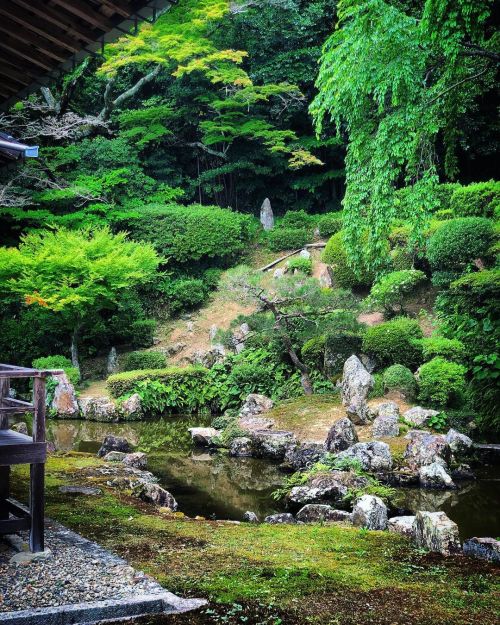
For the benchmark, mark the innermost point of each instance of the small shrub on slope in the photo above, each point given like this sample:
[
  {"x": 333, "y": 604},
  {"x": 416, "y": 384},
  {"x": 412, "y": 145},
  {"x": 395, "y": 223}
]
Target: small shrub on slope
[
  {"x": 441, "y": 383},
  {"x": 394, "y": 342}
]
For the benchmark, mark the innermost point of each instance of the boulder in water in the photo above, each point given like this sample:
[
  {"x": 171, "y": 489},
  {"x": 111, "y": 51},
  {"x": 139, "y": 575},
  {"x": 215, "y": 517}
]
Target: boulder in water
[{"x": 342, "y": 435}]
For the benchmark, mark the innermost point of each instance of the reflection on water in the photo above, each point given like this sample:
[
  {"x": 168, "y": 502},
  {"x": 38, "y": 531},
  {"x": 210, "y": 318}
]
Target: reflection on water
[
  {"x": 204, "y": 484},
  {"x": 208, "y": 485}
]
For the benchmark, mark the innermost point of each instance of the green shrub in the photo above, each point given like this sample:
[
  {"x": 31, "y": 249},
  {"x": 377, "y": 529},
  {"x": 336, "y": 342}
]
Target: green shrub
[
  {"x": 444, "y": 215},
  {"x": 58, "y": 362},
  {"x": 400, "y": 378},
  {"x": 330, "y": 224},
  {"x": 458, "y": 242},
  {"x": 188, "y": 388},
  {"x": 401, "y": 259},
  {"x": 183, "y": 294},
  {"x": 301, "y": 264},
  {"x": 399, "y": 236},
  {"x": 313, "y": 352},
  {"x": 195, "y": 233},
  {"x": 444, "y": 194},
  {"x": 480, "y": 199},
  {"x": 280, "y": 239},
  {"x": 390, "y": 290},
  {"x": 144, "y": 360},
  {"x": 393, "y": 342},
  {"x": 451, "y": 349},
  {"x": 143, "y": 332},
  {"x": 296, "y": 219},
  {"x": 441, "y": 383},
  {"x": 335, "y": 255},
  {"x": 339, "y": 346},
  {"x": 378, "y": 386}
]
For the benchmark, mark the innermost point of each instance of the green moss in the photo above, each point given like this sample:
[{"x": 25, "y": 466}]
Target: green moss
[{"x": 315, "y": 565}]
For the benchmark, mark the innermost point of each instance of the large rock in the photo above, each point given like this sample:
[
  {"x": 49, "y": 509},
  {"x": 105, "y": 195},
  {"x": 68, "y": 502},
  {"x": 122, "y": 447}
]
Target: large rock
[
  {"x": 356, "y": 384},
  {"x": 114, "y": 443},
  {"x": 239, "y": 337},
  {"x": 333, "y": 487},
  {"x": 304, "y": 455},
  {"x": 284, "y": 517},
  {"x": 436, "y": 532},
  {"x": 20, "y": 427},
  {"x": 155, "y": 494},
  {"x": 434, "y": 476},
  {"x": 266, "y": 215},
  {"x": 64, "y": 402},
  {"x": 425, "y": 448},
  {"x": 370, "y": 512},
  {"x": 419, "y": 416},
  {"x": 318, "y": 513},
  {"x": 459, "y": 443},
  {"x": 385, "y": 409},
  {"x": 483, "y": 548},
  {"x": 131, "y": 408},
  {"x": 401, "y": 525},
  {"x": 203, "y": 436},
  {"x": 255, "y": 404},
  {"x": 241, "y": 447},
  {"x": 385, "y": 426},
  {"x": 99, "y": 409},
  {"x": 341, "y": 436},
  {"x": 272, "y": 444},
  {"x": 305, "y": 254},
  {"x": 249, "y": 424},
  {"x": 114, "y": 456},
  {"x": 326, "y": 276},
  {"x": 137, "y": 460},
  {"x": 373, "y": 456},
  {"x": 250, "y": 517}
]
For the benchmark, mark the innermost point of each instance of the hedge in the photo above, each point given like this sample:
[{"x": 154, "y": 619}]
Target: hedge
[
  {"x": 58, "y": 362},
  {"x": 344, "y": 275},
  {"x": 330, "y": 224},
  {"x": 400, "y": 378},
  {"x": 194, "y": 377},
  {"x": 135, "y": 361},
  {"x": 451, "y": 349},
  {"x": 441, "y": 383},
  {"x": 394, "y": 342},
  {"x": 480, "y": 199},
  {"x": 281, "y": 239}
]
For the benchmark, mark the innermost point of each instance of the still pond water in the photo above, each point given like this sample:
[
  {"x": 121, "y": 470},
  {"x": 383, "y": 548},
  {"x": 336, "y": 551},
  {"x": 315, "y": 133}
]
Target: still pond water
[{"x": 214, "y": 485}]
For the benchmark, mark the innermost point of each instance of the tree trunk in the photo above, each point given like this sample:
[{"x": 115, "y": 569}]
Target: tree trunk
[{"x": 74, "y": 348}]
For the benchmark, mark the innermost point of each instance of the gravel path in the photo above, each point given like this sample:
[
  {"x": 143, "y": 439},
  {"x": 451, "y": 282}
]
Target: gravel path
[{"x": 77, "y": 570}]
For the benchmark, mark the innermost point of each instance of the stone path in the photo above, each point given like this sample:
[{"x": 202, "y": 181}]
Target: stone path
[{"x": 73, "y": 572}]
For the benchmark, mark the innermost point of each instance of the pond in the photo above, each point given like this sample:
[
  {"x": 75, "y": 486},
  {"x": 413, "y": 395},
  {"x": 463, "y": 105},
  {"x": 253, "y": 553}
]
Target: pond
[{"x": 214, "y": 485}]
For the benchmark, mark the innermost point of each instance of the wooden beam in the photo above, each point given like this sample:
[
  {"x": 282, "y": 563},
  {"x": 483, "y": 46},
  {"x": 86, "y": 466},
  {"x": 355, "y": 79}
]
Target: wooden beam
[
  {"x": 10, "y": 72},
  {"x": 48, "y": 47},
  {"x": 122, "y": 8},
  {"x": 59, "y": 19},
  {"x": 26, "y": 52},
  {"x": 85, "y": 12},
  {"x": 18, "y": 64},
  {"x": 8, "y": 86},
  {"x": 38, "y": 26}
]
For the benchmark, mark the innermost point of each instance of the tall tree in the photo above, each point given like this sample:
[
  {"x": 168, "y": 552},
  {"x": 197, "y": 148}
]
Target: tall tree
[{"x": 396, "y": 78}]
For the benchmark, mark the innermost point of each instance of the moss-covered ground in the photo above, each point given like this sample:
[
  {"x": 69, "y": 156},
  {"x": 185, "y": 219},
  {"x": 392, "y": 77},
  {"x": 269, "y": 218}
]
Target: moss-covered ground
[{"x": 267, "y": 574}]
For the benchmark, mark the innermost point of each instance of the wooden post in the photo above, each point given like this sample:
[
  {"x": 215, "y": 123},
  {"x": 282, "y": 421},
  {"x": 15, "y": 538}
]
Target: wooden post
[
  {"x": 4, "y": 392},
  {"x": 4, "y": 492},
  {"x": 37, "y": 471}
]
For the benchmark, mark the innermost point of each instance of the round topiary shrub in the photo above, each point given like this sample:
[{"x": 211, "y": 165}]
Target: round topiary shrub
[
  {"x": 441, "y": 383},
  {"x": 458, "y": 242},
  {"x": 400, "y": 378},
  {"x": 136, "y": 361},
  {"x": 451, "y": 349},
  {"x": 394, "y": 342},
  {"x": 401, "y": 258},
  {"x": 330, "y": 224},
  {"x": 281, "y": 239},
  {"x": 296, "y": 219},
  {"x": 344, "y": 275}
]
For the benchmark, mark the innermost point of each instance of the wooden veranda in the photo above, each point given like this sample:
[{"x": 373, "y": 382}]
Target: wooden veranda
[{"x": 17, "y": 448}]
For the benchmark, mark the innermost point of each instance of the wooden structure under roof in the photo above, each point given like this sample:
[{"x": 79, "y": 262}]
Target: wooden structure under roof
[{"x": 41, "y": 39}]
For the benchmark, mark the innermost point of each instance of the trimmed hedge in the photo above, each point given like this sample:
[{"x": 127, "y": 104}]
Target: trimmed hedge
[
  {"x": 480, "y": 199},
  {"x": 143, "y": 332},
  {"x": 144, "y": 360},
  {"x": 296, "y": 219},
  {"x": 330, "y": 224},
  {"x": 280, "y": 239},
  {"x": 194, "y": 377},
  {"x": 58, "y": 362},
  {"x": 451, "y": 349},
  {"x": 394, "y": 342},
  {"x": 335, "y": 255},
  {"x": 441, "y": 383},
  {"x": 458, "y": 242}
]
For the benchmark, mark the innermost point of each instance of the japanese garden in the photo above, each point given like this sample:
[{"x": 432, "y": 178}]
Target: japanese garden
[{"x": 249, "y": 292}]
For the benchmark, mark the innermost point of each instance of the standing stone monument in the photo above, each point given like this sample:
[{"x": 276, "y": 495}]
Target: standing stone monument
[
  {"x": 266, "y": 215},
  {"x": 112, "y": 362}
]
